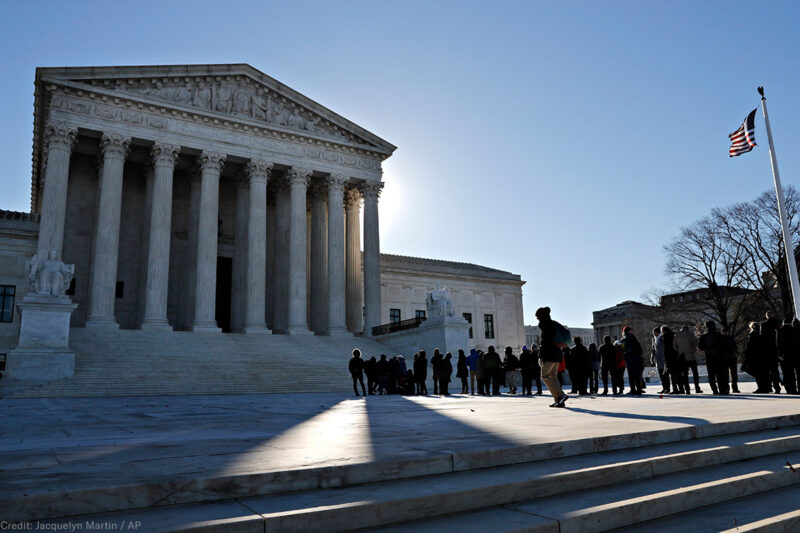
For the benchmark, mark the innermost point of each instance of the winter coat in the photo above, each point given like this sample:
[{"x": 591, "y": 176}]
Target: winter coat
[
  {"x": 686, "y": 344},
  {"x": 632, "y": 350},
  {"x": 712, "y": 344},
  {"x": 594, "y": 357},
  {"x": 371, "y": 368},
  {"x": 510, "y": 363},
  {"x": 787, "y": 341},
  {"x": 619, "y": 356},
  {"x": 769, "y": 337},
  {"x": 526, "y": 362},
  {"x": 462, "y": 371},
  {"x": 753, "y": 363},
  {"x": 472, "y": 360},
  {"x": 491, "y": 362},
  {"x": 548, "y": 351},
  {"x": 436, "y": 360},
  {"x": 356, "y": 365},
  {"x": 580, "y": 358},
  {"x": 658, "y": 351},
  {"x": 480, "y": 369},
  {"x": 445, "y": 370},
  {"x": 421, "y": 368},
  {"x": 608, "y": 356}
]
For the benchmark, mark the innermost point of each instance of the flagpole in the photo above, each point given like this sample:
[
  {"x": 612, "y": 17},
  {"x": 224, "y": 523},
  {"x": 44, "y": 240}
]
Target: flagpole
[{"x": 787, "y": 238}]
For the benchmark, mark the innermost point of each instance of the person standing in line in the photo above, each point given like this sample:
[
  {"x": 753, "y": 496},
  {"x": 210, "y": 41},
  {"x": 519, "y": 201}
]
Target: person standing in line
[
  {"x": 713, "y": 345},
  {"x": 793, "y": 365},
  {"x": 371, "y": 370},
  {"x": 472, "y": 363},
  {"x": 436, "y": 360},
  {"x": 580, "y": 366},
  {"x": 608, "y": 363},
  {"x": 594, "y": 359},
  {"x": 769, "y": 347},
  {"x": 672, "y": 365},
  {"x": 356, "y": 367},
  {"x": 480, "y": 373},
  {"x": 633, "y": 360},
  {"x": 657, "y": 359},
  {"x": 618, "y": 376},
  {"x": 686, "y": 344},
  {"x": 550, "y": 356},
  {"x": 421, "y": 373},
  {"x": 494, "y": 371},
  {"x": 462, "y": 371},
  {"x": 732, "y": 356},
  {"x": 526, "y": 362},
  {"x": 537, "y": 370},
  {"x": 572, "y": 369},
  {"x": 445, "y": 371},
  {"x": 787, "y": 347},
  {"x": 510, "y": 365},
  {"x": 562, "y": 366},
  {"x": 753, "y": 360}
]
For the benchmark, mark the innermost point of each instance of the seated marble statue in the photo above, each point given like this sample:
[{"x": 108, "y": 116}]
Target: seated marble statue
[
  {"x": 439, "y": 303},
  {"x": 49, "y": 277}
]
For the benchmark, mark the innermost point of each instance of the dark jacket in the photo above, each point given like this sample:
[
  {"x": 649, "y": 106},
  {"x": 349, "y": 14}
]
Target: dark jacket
[
  {"x": 712, "y": 344},
  {"x": 462, "y": 369},
  {"x": 608, "y": 356},
  {"x": 549, "y": 352},
  {"x": 632, "y": 350},
  {"x": 491, "y": 362},
  {"x": 356, "y": 365},
  {"x": 371, "y": 368},
  {"x": 526, "y": 362},
  {"x": 445, "y": 369},
  {"x": 753, "y": 363},
  {"x": 510, "y": 362},
  {"x": 421, "y": 367},
  {"x": 769, "y": 337},
  {"x": 787, "y": 341},
  {"x": 436, "y": 360},
  {"x": 580, "y": 358}
]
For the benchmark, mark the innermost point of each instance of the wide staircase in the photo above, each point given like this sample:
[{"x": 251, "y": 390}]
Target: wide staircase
[
  {"x": 136, "y": 363},
  {"x": 731, "y": 476}
]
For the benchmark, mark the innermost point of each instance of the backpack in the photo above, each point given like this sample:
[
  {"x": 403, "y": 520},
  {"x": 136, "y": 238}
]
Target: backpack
[{"x": 562, "y": 337}]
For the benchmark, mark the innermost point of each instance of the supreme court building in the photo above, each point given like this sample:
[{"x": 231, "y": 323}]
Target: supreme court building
[{"x": 213, "y": 198}]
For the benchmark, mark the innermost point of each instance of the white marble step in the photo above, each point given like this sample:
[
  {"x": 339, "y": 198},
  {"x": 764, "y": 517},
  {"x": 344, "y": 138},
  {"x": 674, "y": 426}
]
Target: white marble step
[
  {"x": 776, "y": 511},
  {"x": 634, "y": 486},
  {"x": 624, "y": 504}
]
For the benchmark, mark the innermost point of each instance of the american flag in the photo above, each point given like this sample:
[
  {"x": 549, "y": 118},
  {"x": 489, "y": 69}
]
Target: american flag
[{"x": 744, "y": 139}]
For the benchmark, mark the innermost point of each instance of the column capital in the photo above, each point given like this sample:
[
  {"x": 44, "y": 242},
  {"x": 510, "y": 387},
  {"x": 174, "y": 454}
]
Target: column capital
[
  {"x": 352, "y": 197},
  {"x": 60, "y": 135},
  {"x": 211, "y": 160},
  {"x": 165, "y": 154},
  {"x": 336, "y": 182},
  {"x": 299, "y": 176},
  {"x": 371, "y": 189},
  {"x": 258, "y": 169},
  {"x": 114, "y": 145}
]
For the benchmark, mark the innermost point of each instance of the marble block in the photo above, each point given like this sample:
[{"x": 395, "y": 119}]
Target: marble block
[
  {"x": 448, "y": 333},
  {"x": 43, "y": 353}
]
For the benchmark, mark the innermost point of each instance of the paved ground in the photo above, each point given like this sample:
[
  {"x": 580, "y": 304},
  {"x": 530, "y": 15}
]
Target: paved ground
[{"x": 89, "y": 442}]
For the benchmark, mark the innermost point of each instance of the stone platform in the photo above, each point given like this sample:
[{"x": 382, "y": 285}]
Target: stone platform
[{"x": 331, "y": 462}]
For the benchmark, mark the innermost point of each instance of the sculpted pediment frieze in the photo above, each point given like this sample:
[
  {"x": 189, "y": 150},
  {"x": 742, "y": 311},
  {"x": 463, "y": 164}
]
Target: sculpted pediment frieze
[{"x": 238, "y": 96}]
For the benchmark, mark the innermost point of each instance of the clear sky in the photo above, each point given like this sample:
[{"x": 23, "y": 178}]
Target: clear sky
[{"x": 562, "y": 141}]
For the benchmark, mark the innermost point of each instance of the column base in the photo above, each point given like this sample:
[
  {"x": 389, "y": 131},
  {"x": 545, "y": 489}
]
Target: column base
[
  {"x": 256, "y": 330},
  {"x": 40, "y": 364},
  {"x": 206, "y": 327},
  {"x": 156, "y": 324},
  {"x": 102, "y": 322},
  {"x": 338, "y": 332},
  {"x": 299, "y": 331}
]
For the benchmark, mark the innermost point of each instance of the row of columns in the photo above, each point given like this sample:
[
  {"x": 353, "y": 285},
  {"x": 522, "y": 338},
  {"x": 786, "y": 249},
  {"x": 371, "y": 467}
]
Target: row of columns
[{"x": 335, "y": 260}]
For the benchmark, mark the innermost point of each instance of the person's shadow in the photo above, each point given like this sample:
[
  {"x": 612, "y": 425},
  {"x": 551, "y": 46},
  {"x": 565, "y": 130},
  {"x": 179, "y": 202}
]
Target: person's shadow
[{"x": 640, "y": 416}]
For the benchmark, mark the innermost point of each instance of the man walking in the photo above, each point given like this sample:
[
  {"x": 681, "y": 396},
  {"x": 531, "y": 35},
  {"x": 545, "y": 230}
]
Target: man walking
[
  {"x": 550, "y": 356},
  {"x": 356, "y": 368}
]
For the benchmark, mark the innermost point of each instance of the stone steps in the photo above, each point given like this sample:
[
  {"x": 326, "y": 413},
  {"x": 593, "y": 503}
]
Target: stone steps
[
  {"x": 776, "y": 511},
  {"x": 628, "y": 479},
  {"x": 134, "y": 363}
]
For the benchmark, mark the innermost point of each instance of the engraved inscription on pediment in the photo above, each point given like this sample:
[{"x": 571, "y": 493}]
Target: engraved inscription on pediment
[{"x": 240, "y": 97}]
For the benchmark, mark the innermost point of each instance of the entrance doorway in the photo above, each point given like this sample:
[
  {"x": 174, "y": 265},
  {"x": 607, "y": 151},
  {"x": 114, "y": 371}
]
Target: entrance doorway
[{"x": 224, "y": 285}]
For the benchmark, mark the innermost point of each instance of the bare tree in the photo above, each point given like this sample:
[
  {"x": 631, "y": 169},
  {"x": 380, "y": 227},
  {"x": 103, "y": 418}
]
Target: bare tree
[
  {"x": 707, "y": 266},
  {"x": 753, "y": 229}
]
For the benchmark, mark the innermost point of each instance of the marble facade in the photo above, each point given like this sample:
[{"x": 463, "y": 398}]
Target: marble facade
[{"x": 205, "y": 197}]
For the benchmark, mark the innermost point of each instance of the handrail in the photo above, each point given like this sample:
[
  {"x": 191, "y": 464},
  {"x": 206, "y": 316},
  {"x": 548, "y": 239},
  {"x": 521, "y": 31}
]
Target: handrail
[{"x": 401, "y": 325}]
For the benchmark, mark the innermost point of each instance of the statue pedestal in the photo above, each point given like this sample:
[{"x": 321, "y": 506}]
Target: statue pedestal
[
  {"x": 448, "y": 333},
  {"x": 43, "y": 353}
]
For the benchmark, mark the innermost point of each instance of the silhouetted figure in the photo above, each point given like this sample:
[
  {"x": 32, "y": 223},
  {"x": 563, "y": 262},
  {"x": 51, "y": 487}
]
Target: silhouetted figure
[
  {"x": 493, "y": 367},
  {"x": 526, "y": 362},
  {"x": 618, "y": 377},
  {"x": 608, "y": 362},
  {"x": 731, "y": 352},
  {"x": 510, "y": 366},
  {"x": 714, "y": 346},
  {"x": 371, "y": 370},
  {"x": 445, "y": 371},
  {"x": 410, "y": 383},
  {"x": 769, "y": 350},
  {"x": 463, "y": 372},
  {"x": 594, "y": 360},
  {"x": 686, "y": 344},
  {"x": 754, "y": 363},
  {"x": 787, "y": 348},
  {"x": 633, "y": 360},
  {"x": 550, "y": 355},
  {"x": 537, "y": 370},
  {"x": 421, "y": 373},
  {"x": 580, "y": 366},
  {"x": 472, "y": 364},
  {"x": 673, "y": 367},
  {"x": 480, "y": 372},
  {"x": 436, "y": 360},
  {"x": 356, "y": 367},
  {"x": 658, "y": 359},
  {"x": 383, "y": 374}
]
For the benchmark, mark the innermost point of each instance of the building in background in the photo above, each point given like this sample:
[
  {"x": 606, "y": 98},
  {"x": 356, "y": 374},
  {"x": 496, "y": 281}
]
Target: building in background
[{"x": 533, "y": 334}]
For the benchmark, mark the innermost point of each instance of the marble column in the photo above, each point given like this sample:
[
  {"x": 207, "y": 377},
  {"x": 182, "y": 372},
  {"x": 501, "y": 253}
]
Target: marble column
[
  {"x": 258, "y": 172},
  {"x": 280, "y": 290},
  {"x": 239, "y": 275},
  {"x": 337, "y": 313},
  {"x": 319, "y": 259},
  {"x": 205, "y": 288},
  {"x": 354, "y": 286},
  {"x": 298, "y": 185},
  {"x": 106, "y": 243},
  {"x": 60, "y": 139},
  {"x": 372, "y": 256},
  {"x": 191, "y": 255},
  {"x": 155, "y": 306}
]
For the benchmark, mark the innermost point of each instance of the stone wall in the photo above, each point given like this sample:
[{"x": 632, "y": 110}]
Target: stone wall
[{"x": 17, "y": 244}]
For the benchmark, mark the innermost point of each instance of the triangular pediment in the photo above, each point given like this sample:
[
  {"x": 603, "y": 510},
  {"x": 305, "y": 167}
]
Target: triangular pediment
[{"x": 237, "y": 91}]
